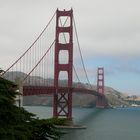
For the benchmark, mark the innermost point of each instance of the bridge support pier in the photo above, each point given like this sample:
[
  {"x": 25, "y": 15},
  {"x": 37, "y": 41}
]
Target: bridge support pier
[
  {"x": 100, "y": 102},
  {"x": 63, "y": 105}
]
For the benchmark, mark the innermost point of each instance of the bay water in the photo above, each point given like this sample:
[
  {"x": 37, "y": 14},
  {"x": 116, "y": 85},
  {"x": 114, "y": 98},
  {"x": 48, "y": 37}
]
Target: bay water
[{"x": 101, "y": 124}]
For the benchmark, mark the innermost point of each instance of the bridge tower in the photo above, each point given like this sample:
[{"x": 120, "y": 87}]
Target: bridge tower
[
  {"x": 62, "y": 106},
  {"x": 100, "y": 101}
]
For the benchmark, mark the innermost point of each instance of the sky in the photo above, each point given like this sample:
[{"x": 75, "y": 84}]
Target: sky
[{"x": 108, "y": 31}]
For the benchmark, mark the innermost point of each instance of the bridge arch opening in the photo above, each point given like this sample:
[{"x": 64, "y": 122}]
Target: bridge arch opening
[
  {"x": 63, "y": 57},
  {"x": 63, "y": 79},
  {"x": 64, "y": 21},
  {"x": 64, "y": 37}
]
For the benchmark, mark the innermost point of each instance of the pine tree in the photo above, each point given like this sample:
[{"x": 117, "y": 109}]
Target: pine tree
[{"x": 18, "y": 124}]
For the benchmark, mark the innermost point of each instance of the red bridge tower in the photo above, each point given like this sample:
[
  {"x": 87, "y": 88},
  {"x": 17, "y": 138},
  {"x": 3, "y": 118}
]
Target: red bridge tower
[
  {"x": 100, "y": 101},
  {"x": 63, "y": 98}
]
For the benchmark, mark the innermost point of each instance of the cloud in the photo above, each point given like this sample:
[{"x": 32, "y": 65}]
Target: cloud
[
  {"x": 104, "y": 28},
  {"x": 108, "y": 31}
]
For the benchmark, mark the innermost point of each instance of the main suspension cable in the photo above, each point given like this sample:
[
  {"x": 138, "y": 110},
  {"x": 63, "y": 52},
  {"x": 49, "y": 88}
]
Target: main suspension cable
[{"x": 82, "y": 60}]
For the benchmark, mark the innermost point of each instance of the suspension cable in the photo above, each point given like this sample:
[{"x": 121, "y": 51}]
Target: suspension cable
[
  {"x": 39, "y": 61},
  {"x": 32, "y": 44},
  {"x": 82, "y": 60}
]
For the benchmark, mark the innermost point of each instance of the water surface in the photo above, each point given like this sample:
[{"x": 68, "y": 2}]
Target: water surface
[{"x": 108, "y": 124}]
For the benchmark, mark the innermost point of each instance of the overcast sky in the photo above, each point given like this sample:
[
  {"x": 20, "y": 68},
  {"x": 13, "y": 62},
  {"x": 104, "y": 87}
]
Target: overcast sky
[{"x": 108, "y": 30}]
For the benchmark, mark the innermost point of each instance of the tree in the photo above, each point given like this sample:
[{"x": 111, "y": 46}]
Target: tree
[{"x": 18, "y": 124}]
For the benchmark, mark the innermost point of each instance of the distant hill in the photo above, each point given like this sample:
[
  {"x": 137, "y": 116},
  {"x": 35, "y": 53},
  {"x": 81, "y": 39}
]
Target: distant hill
[{"x": 114, "y": 97}]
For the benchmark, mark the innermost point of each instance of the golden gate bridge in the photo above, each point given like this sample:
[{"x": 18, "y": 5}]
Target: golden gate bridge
[{"x": 48, "y": 57}]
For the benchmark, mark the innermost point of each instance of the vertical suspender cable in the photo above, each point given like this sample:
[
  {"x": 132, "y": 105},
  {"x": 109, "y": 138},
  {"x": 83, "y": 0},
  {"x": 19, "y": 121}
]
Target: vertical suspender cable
[{"x": 39, "y": 61}]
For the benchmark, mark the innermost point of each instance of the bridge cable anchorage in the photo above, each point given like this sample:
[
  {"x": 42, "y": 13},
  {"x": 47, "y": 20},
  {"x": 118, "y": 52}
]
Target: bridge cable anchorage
[
  {"x": 31, "y": 45},
  {"x": 81, "y": 53},
  {"x": 39, "y": 61},
  {"x": 66, "y": 42}
]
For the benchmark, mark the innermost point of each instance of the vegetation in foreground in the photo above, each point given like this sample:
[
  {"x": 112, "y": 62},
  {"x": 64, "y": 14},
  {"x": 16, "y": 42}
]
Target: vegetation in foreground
[{"x": 18, "y": 124}]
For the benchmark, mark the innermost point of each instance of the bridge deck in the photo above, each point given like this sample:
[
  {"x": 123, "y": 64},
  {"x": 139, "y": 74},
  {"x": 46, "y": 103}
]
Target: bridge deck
[{"x": 38, "y": 90}]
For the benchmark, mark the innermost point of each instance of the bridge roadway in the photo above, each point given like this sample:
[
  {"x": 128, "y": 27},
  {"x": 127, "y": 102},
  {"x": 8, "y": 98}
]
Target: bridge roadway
[{"x": 38, "y": 90}]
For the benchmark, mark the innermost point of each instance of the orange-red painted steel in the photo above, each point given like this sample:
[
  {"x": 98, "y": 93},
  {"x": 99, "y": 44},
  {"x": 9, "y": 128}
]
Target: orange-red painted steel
[{"x": 62, "y": 105}]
